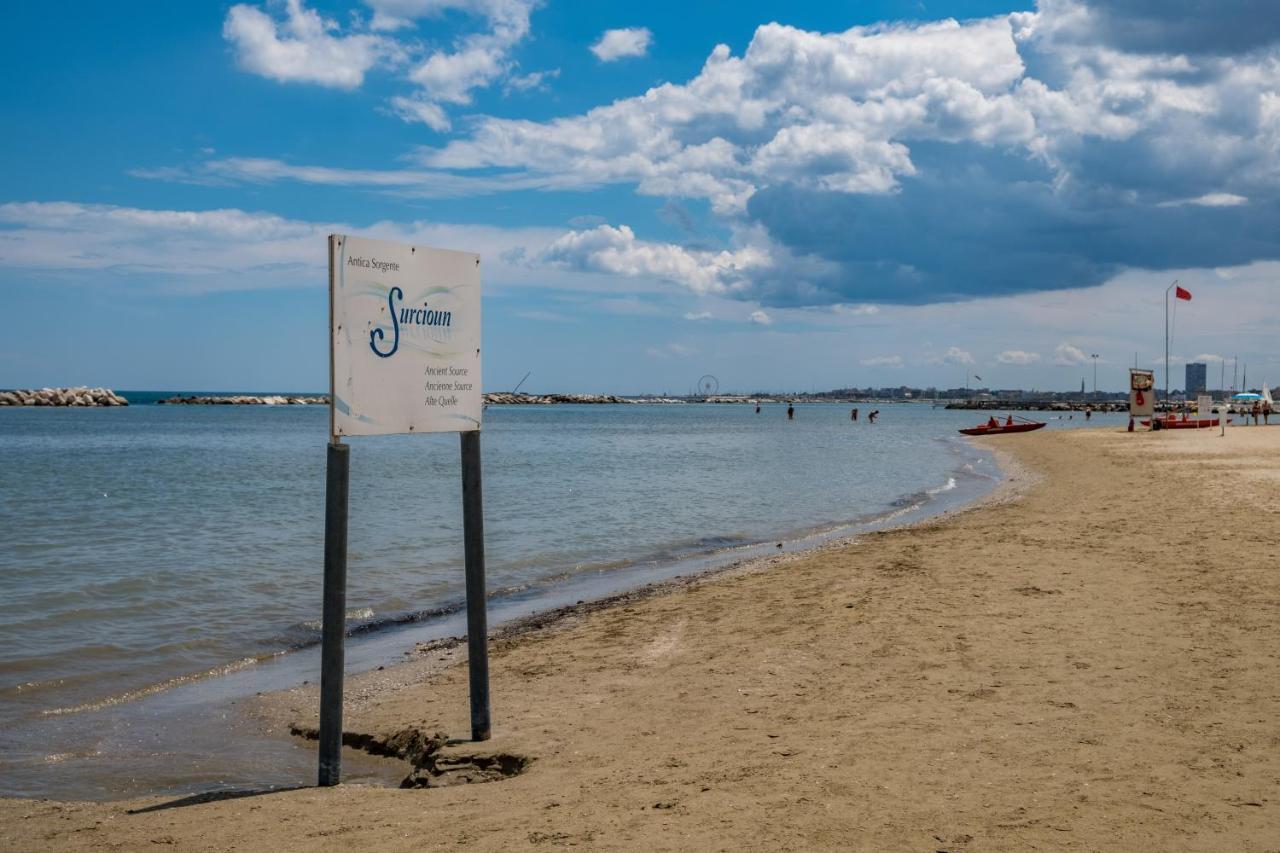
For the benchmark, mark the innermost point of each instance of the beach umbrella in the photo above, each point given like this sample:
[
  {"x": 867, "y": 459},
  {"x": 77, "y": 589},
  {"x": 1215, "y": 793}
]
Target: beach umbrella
[{"x": 1247, "y": 395}]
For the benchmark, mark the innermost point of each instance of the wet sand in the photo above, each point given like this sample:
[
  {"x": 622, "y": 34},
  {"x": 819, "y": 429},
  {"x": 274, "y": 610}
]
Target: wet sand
[{"x": 1092, "y": 663}]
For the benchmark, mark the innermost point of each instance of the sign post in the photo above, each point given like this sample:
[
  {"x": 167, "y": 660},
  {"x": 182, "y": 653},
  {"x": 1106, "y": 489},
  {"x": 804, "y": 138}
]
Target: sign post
[
  {"x": 334, "y": 625},
  {"x": 477, "y": 618},
  {"x": 404, "y": 357}
]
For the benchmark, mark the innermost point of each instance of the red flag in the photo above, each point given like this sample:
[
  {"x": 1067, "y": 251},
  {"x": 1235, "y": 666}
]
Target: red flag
[{"x": 1181, "y": 293}]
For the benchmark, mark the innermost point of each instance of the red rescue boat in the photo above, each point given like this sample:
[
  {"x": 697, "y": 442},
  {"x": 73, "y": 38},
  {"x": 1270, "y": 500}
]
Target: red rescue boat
[{"x": 1025, "y": 426}]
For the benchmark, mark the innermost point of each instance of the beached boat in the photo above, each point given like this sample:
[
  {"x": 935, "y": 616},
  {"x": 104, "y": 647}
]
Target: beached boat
[
  {"x": 1026, "y": 426},
  {"x": 1184, "y": 423}
]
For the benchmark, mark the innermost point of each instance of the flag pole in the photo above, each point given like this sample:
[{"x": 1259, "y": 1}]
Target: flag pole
[{"x": 1166, "y": 340}]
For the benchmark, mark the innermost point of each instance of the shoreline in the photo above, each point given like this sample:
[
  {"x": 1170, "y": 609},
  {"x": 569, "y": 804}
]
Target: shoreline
[
  {"x": 236, "y": 688},
  {"x": 1084, "y": 662},
  {"x": 430, "y": 658}
]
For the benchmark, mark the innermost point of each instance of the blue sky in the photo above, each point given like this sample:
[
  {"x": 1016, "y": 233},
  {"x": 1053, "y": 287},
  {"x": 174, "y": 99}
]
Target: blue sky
[{"x": 787, "y": 196}]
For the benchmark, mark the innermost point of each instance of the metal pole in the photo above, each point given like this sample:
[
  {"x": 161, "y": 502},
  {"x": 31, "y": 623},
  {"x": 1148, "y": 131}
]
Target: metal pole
[
  {"x": 477, "y": 618},
  {"x": 1166, "y": 342},
  {"x": 334, "y": 628}
]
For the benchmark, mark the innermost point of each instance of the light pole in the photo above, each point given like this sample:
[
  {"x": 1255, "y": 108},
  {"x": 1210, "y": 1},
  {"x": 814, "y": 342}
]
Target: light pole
[{"x": 1094, "y": 356}]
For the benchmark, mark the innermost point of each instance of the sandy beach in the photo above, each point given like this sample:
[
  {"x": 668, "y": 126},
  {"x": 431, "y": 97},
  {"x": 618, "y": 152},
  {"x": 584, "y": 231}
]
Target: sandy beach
[{"x": 1091, "y": 661}]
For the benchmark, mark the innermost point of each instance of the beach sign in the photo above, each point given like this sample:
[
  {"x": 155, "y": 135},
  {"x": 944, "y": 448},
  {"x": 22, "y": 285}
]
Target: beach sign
[
  {"x": 1142, "y": 396},
  {"x": 404, "y": 357},
  {"x": 405, "y": 338}
]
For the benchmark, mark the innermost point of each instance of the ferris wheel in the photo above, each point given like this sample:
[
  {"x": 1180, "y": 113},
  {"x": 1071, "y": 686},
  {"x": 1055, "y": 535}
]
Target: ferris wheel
[{"x": 708, "y": 386}]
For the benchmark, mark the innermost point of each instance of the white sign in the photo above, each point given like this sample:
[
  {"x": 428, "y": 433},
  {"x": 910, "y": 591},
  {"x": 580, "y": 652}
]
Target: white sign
[
  {"x": 1204, "y": 406},
  {"x": 404, "y": 338}
]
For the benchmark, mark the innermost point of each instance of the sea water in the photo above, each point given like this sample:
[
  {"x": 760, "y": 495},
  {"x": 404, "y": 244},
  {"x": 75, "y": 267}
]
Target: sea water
[{"x": 149, "y": 548}]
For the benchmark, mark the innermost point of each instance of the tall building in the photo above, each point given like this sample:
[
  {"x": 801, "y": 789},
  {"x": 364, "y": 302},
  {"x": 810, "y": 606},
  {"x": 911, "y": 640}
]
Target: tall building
[{"x": 1196, "y": 383}]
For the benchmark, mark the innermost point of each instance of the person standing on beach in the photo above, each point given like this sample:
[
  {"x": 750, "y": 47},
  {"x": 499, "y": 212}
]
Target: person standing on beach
[
  {"x": 791, "y": 411},
  {"x": 1257, "y": 410}
]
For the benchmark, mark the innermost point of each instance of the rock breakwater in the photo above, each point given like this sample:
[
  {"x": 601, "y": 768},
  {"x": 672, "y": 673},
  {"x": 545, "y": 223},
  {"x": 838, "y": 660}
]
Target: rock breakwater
[
  {"x": 245, "y": 400},
  {"x": 508, "y": 399},
  {"x": 81, "y": 396}
]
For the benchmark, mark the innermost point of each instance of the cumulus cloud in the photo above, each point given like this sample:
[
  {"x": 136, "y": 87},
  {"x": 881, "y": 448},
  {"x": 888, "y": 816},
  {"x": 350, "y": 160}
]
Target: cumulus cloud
[
  {"x": 697, "y": 315},
  {"x": 303, "y": 48},
  {"x": 955, "y": 355},
  {"x": 1018, "y": 357},
  {"x": 1072, "y": 158},
  {"x": 759, "y": 318},
  {"x": 840, "y": 160},
  {"x": 616, "y": 250},
  {"x": 619, "y": 44},
  {"x": 882, "y": 361},
  {"x": 1067, "y": 354}
]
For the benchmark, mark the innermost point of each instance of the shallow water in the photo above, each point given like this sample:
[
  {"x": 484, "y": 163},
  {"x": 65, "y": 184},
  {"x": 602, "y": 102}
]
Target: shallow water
[{"x": 149, "y": 547}]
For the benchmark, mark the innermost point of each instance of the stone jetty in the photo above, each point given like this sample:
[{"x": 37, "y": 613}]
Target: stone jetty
[
  {"x": 81, "y": 396},
  {"x": 245, "y": 400},
  {"x": 1041, "y": 405},
  {"x": 508, "y": 399}
]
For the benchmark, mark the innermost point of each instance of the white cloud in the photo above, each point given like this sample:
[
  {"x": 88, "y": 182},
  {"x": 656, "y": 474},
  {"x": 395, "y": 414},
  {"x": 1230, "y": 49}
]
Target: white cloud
[
  {"x": 697, "y": 315},
  {"x": 531, "y": 82},
  {"x": 1209, "y": 200},
  {"x": 617, "y": 251},
  {"x": 407, "y": 182},
  {"x": 851, "y": 112},
  {"x": 479, "y": 59},
  {"x": 1220, "y": 200},
  {"x": 1045, "y": 120},
  {"x": 224, "y": 249},
  {"x": 882, "y": 361},
  {"x": 540, "y": 316},
  {"x": 416, "y": 109},
  {"x": 1018, "y": 357},
  {"x": 1208, "y": 358},
  {"x": 1067, "y": 354},
  {"x": 855, "y": 310},
  {"x": 302, "y": 48},
  {"x": 618, "y": 44},
  {"x": 800, "y": 107},
  {"x": 955, "y": 355},
  {"x": 759, "y": 318},
  {"x": 672, "y": 350}
]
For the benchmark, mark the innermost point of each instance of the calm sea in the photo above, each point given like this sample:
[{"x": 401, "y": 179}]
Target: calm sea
[{"x": 150, "y": 547}]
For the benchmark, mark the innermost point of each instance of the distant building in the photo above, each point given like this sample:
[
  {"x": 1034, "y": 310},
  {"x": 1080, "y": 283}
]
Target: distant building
[{"x": 1196, "y": 382}]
